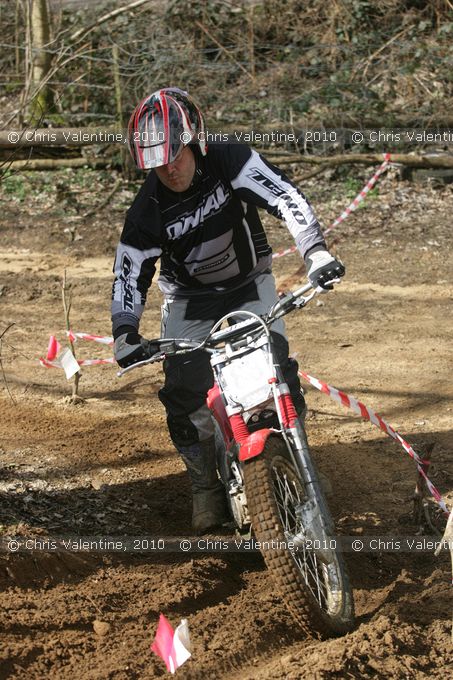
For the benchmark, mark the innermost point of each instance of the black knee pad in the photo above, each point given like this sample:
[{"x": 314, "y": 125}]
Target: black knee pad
[{"x": 182, "y": 431}]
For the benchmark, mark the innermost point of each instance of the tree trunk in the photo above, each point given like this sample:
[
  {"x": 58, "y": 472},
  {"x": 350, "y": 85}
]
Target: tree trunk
[
  {"x": 42, "y": 101},
  {"x": 129, "y": 170}
]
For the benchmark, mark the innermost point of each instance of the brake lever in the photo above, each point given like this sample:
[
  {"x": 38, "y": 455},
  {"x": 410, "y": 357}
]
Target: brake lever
[
  {"x": 152, "y": 360},
  {"x": 302, "y": 301},
  {"x": 331, "y": 283}
]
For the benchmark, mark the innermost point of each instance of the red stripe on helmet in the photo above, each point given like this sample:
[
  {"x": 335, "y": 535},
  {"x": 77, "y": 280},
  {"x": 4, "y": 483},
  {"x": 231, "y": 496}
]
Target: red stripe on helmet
[{"x": 163, "y": 102}]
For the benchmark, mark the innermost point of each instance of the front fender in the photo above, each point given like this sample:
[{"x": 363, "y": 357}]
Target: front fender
[{"x": 254, "y": 444}]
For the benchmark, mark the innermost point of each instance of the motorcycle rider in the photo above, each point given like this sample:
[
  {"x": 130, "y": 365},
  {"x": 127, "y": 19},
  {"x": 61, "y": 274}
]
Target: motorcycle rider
[{"x": 197, "y": 212}]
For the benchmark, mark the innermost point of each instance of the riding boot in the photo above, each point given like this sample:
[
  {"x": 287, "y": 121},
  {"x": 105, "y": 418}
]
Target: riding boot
[{"x": 210, "y": 507}]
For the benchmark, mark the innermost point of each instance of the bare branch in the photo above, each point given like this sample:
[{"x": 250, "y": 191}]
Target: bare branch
[
  {"x": 1, "y": 364},
  {"x": 82, "y": 32},
  {"x": 224, "y": 49},
  {"x": 67, "y": 303},
  {"x": 105, "y": 202}
]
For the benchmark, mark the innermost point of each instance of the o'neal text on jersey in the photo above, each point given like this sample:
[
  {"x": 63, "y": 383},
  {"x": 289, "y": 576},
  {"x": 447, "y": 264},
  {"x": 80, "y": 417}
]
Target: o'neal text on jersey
[{"x": 212, "y": 204}]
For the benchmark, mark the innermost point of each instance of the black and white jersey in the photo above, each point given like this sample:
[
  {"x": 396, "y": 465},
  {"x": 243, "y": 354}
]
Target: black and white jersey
[{"x": 210, "y": 237}]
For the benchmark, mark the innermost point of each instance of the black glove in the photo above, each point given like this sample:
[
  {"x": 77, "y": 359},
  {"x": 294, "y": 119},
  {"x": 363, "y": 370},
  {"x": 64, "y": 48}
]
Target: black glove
[
  {"x": 130, "y": 348},
  {"x": 323, "y": 268}
]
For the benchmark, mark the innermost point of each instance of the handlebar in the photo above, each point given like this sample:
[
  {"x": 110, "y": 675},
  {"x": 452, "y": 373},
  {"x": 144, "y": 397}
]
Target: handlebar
[{"x": 172, "y": 346}]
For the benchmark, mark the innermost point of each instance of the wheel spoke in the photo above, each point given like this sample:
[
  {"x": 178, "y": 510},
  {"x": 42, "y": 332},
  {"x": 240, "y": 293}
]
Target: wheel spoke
[
  {"x": 289, "y": 495},
  {"x": 314, "y": 583}
]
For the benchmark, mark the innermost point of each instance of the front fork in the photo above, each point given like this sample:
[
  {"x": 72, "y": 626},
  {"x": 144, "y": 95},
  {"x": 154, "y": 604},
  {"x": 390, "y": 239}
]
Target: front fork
[
  {"x": 314, "y": 516},
  {"x": 236, "y": 445}
]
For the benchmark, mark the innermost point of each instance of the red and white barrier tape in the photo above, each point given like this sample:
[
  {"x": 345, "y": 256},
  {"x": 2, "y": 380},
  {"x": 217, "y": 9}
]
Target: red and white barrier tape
[
  {"x": 351, "y": 207},
  {"x": 103, "y": 339},
  {"x": 369, "y": 414},
  {"x": 287, "y": 251},
  {"x": 81, "y": 362},
  {"x": 361, "y": 195},
  {"x": 66, "y": 359}
]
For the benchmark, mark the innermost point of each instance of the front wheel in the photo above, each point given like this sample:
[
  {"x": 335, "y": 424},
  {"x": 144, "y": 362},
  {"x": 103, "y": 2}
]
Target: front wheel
[{"x": 311, "y": 577}]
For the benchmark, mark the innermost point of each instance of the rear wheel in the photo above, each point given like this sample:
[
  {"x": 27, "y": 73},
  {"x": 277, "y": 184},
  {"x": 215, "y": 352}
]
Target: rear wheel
[{"x": 312, "y": 576}]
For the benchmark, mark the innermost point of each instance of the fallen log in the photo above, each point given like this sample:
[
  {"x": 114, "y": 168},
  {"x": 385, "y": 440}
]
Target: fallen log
[
  {"x": 57, "y": 163},
  {"x": 410, "y": 160}
]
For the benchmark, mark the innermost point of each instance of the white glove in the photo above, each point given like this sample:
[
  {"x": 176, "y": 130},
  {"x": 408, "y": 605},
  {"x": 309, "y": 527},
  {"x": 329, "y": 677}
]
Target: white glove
[{"x": 324, "y": 270}]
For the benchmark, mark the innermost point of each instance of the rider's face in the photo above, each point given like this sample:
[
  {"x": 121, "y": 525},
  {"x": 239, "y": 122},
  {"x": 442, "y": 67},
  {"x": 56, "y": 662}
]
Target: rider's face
[{"x": 178, "y": 175}]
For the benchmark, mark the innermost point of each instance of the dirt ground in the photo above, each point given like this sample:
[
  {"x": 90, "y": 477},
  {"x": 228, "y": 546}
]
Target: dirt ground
[{"x": 106, "y": 466}]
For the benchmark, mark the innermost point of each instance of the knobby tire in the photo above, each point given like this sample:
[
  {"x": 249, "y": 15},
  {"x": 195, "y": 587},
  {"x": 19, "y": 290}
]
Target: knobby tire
[{"x": 259, "y": 476}]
